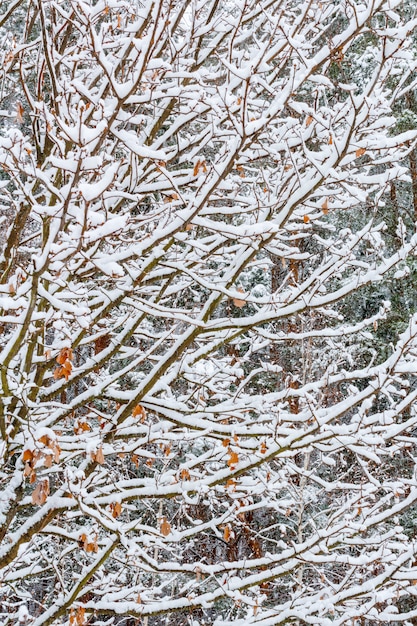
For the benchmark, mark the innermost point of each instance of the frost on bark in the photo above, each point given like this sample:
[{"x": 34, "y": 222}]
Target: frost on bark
[{"x": 197, "y": 424}]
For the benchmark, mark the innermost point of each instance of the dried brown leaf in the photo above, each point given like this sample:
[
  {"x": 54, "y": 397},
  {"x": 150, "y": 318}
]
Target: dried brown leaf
[
  {"x": 28, "y": 455},
  {"x": 237, "y": 301},
  {"x": 139, "y": 411},
  {"x": 165, "y": 527},
  {"x": 64, "y": 355},
  {"x": 41, "y": 492},
  {"x": 98, "y": 456},
  {"x": 116, "y": 509},
  {"x": 233, "y": 458},
  {"x": 227, "y": 533},
  {"x": 19, "y": 113}
]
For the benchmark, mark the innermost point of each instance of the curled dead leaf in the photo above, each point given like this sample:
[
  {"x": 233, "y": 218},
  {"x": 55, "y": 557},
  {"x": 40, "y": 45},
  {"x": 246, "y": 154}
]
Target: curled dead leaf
[
  {"x": 41, "y": 492},
  {"x": 233, "y": 458},
  {"x": 28, "y": 455},
  {"x": 237, "y": 301},
  {"x": 227, "y": 533},
  {"x": 200, "y": 164},
  {"x": 139, "y": 411},
  {"x": 19, "y": 113},
  {"x": 64, "y": 355},
  {"x": 81, "y": 427},
  {"x": 77, "y": 616},
  {"x": 98, "y": 456},
  {"x": 116, "y": 509},
  {"x": 165, "y": 527}
]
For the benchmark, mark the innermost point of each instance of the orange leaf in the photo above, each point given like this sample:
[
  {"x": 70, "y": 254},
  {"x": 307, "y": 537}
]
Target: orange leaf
[
  {"x": 330, "y": 140},
  {"x": 185, "y": 474},
  {"x": 199, "y": 165},
  {"x": 196, "y": 168},
  {"x": 56, "y": 450},
  {"x": 359, "y": 152},
  {"x": 139, "y": 411},
  {"x": 263, "y": 448},
  {"x": 309, "y": 120},
  {"x": 48, "y": 460},
  {"x": 306, "y": 219},
  {"x": 45, "y": 439},
  {"x": 165, "y": 527},
  {"x": 237, "y": 302},
  {"x": 135, "y": 459},
  {"x": 225, "y": 442},
  {"x": 28, "y": 469},
  {"x": 227, "y": 533},
  {"x": 233, "y": 458},
  {"x": 19, "y": 112},
  {"x": 64, "y": 355},
  {"x": 41, "y": 492},
  {"x": 325, "y": 206},
  {"x": 27, "y": 455},
  {"x": 81, "y": 427},
  {"x": 80, "y": 616},
  {"x": 91, "y": 546},
  {"x": 67, "y": 369},
  {"x": 98, "y": 456},
  {"x": 58, "y": 373},
  {"x": 116, "y": 509},
  {"x": 231, "y": 483}
]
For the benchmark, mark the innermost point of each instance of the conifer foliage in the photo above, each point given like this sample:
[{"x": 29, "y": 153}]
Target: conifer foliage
[{"x": 198, "y": 424}]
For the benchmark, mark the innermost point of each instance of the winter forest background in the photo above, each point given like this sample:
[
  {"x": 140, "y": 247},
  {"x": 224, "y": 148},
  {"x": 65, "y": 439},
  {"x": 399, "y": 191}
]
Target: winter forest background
[{"x": 208, "y": 330}]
